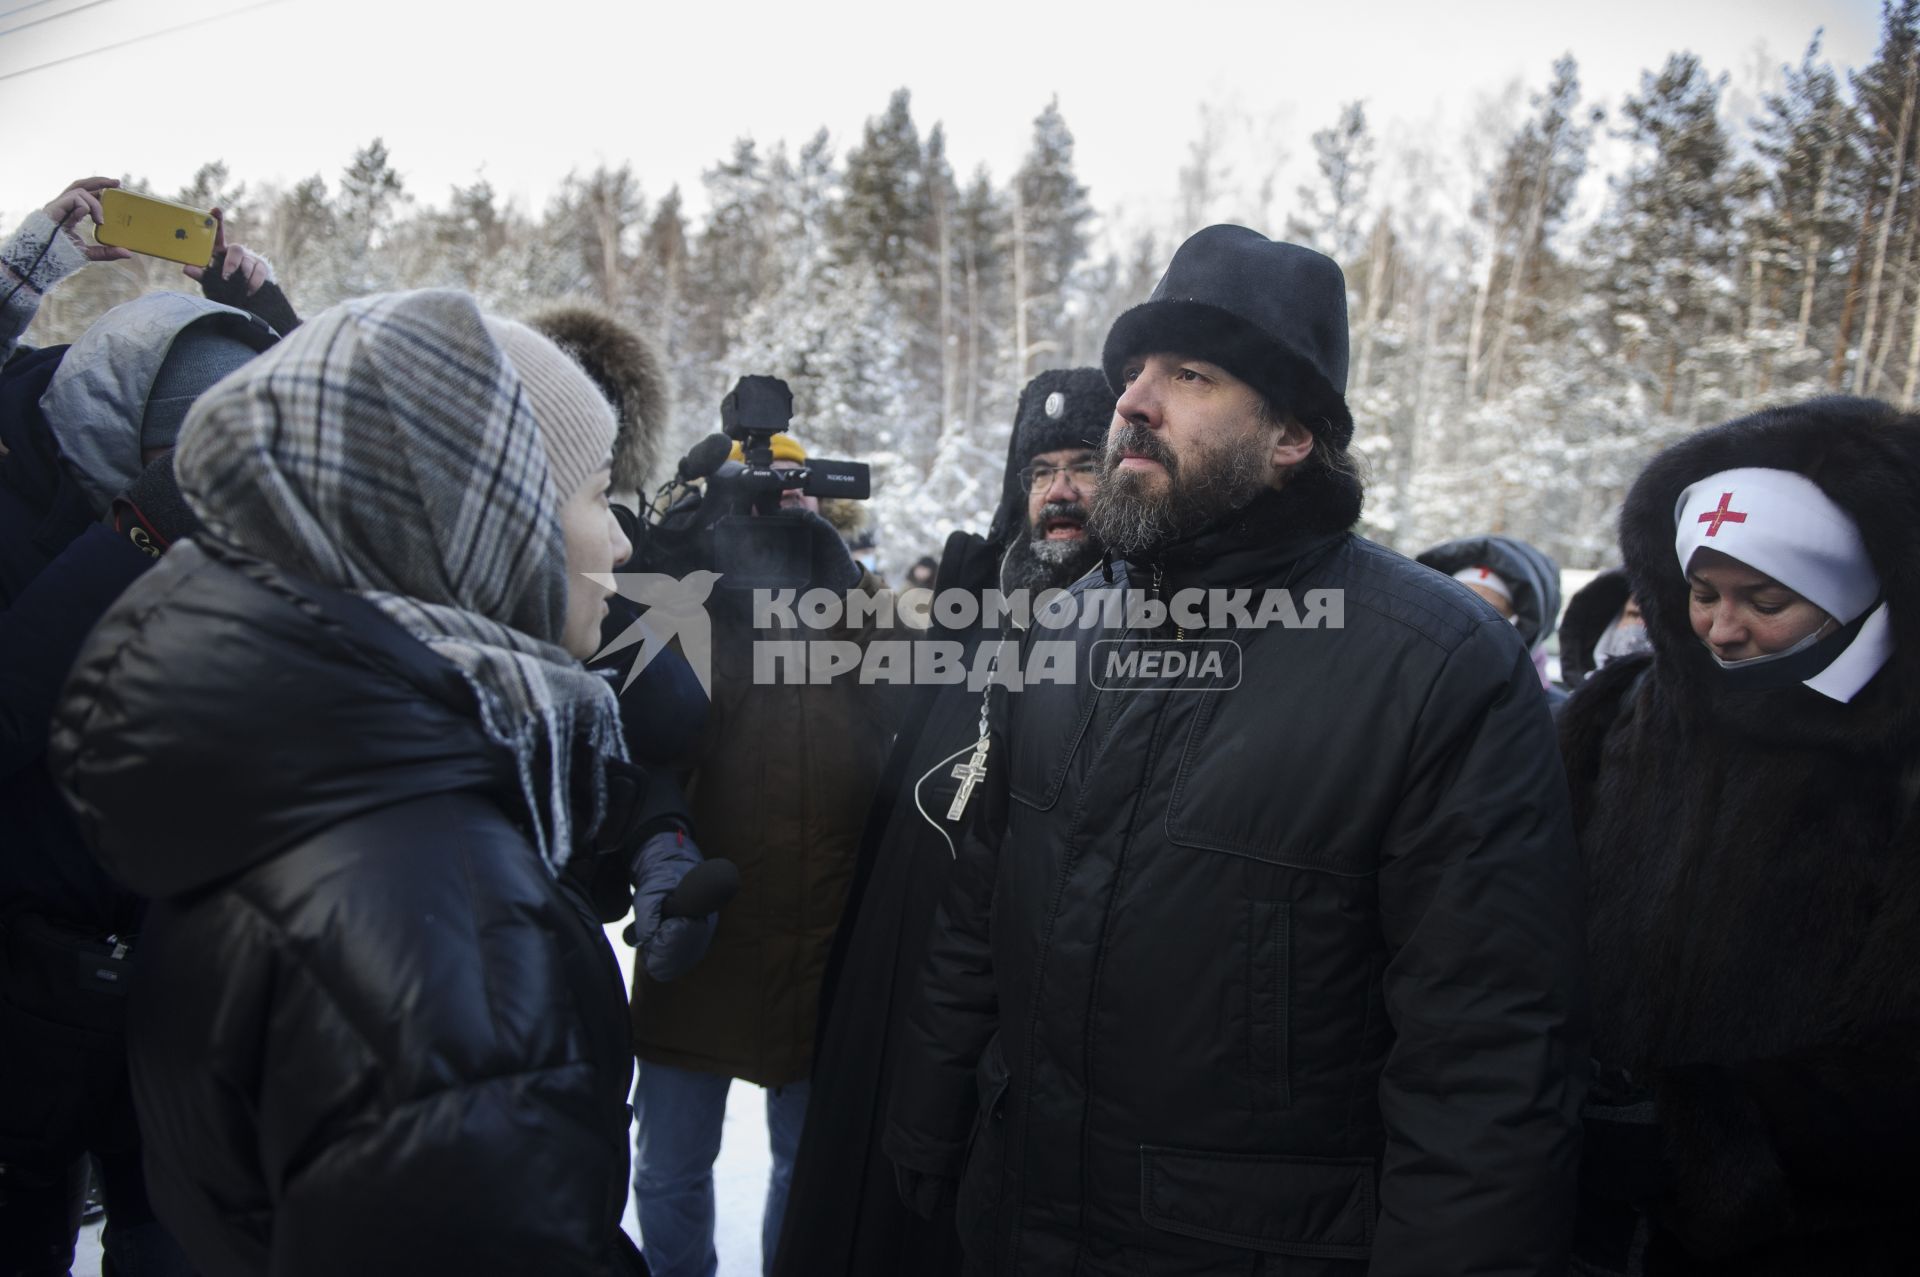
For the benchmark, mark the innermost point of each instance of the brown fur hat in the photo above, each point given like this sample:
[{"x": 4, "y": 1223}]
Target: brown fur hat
[{"x": 849, "y": 518}]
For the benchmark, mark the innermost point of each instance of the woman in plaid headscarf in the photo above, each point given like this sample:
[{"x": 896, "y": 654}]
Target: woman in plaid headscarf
[{"x": 345, "y": 743}]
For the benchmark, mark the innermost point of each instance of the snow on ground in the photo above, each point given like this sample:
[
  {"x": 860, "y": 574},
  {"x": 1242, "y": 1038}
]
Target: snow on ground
[{"x": 739, "y": 1176}]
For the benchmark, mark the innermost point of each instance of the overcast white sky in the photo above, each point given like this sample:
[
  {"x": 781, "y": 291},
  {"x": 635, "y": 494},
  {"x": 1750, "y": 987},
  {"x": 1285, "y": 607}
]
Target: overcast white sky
[{"x": 523, "y": 92}]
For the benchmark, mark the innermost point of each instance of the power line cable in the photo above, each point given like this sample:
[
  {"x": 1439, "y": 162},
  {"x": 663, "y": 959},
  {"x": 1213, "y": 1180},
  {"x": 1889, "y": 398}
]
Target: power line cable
[
  {"x": 51, "y": 17},
  {"x": 139, "y": 39},
  {"x": 22, "y": 8}
]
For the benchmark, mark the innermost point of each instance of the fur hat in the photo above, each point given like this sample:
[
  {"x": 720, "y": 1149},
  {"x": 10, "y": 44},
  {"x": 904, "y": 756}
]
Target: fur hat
[
  {"x": 629, "y": 371},
  {"x": 848, "y": 517},
  {"x": 1272, "y": 314},
  {"x": 1059, "y": 409}
]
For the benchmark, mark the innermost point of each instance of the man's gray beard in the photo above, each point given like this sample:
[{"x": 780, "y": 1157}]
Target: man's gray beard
[
  {"x": 1134, "y": 523},
  {"x": 1036, "y": 564}
]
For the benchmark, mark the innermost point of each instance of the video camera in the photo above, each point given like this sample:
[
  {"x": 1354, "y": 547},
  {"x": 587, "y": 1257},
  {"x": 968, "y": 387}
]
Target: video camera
[
  {"x": 754, "y": 411},
  {"x": 723, "y": 529}
]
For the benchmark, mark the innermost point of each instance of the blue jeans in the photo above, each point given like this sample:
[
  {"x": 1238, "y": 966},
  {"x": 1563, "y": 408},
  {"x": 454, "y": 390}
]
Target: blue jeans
[{"x": 679, "y": 1113}]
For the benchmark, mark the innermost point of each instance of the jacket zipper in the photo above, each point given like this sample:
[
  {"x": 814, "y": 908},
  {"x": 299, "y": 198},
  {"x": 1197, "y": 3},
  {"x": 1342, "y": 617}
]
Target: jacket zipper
[{"x": 1179, "y": 631}]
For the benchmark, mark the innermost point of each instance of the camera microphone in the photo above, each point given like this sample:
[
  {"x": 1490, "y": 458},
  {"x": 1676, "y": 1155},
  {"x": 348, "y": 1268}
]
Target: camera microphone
[
  {"x": 706, "y": 889},
  {"x": 704, "y": 458}
]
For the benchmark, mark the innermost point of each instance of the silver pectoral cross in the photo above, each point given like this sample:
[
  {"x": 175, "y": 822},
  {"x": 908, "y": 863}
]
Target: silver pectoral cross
[{"x": 969, "y": 774}]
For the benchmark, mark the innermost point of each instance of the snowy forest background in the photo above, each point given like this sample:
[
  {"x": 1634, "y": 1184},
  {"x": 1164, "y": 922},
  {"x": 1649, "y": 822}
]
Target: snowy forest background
[{"x": 1513, "y": 364}]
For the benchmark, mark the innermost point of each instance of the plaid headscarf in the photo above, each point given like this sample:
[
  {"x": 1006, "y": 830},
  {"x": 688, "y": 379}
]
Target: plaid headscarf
[{"x": 387, "y": 448}]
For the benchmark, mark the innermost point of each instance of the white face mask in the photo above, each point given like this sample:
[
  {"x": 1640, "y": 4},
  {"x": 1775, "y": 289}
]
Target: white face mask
[
  {"x": 1820, "y": 631},
  {"x": 1620, "y": 638}
]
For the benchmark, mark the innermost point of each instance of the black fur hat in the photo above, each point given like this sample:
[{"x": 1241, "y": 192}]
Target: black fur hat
[
  {"x": 1061, "y": 408},
  {"x": 1272, "y": 314},
  {"x": 628, "y": 371}
]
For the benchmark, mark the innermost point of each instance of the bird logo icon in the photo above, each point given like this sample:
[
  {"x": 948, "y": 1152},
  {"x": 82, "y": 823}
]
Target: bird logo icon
[{"x": 676, "y": 608}]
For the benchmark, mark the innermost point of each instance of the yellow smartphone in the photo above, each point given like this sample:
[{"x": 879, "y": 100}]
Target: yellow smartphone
[{"x": 157, "y": 228}]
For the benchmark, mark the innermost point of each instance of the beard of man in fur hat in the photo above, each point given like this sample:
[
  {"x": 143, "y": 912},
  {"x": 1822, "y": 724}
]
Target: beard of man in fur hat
[{"x": 1054, "y": 549}]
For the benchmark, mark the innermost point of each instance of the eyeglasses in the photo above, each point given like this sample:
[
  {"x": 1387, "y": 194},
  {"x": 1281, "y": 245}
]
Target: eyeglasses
[{"x": 1040, "y": 476}]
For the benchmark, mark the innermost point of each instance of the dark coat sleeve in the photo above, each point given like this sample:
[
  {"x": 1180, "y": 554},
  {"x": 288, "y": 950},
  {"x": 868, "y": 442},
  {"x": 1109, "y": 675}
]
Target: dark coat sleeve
[
  {"x": 1481, "y": 904},
  {"x": 956, "y": 1011},
  {"x": 41, "y": 633}
]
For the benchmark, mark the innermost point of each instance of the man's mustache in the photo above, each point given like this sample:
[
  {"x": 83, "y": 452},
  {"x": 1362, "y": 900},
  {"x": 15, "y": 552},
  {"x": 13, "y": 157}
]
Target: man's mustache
[
  {"x": 1057, "y": 510},
  {"x": 1132, "y": 438}
]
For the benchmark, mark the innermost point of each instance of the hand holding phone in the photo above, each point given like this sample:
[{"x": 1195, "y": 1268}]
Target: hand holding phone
[
  {"x": 81, "y": 200},
  {"x": 229, "y": 260}
]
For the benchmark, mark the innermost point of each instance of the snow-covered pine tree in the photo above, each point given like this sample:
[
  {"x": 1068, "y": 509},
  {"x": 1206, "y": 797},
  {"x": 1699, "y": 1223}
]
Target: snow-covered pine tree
[
  {"x": 1334, "y": 209},
  {"x": 1665, "y": 245},
  {"x": 1807, "y": 137},
  {"x": 371, "y": 200},
  {"x": 592, "y": 231},
  {"x": 1050, "y": 233}
]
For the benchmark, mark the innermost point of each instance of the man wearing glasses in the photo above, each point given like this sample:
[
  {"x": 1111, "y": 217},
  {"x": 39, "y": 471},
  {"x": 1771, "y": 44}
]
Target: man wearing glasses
[{"x": 1053, "y": 548}]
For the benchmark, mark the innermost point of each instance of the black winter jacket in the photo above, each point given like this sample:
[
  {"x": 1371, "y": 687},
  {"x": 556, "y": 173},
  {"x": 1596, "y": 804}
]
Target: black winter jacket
[
  {"x": 1753, "y": 868},
  {"x": 1287, "y": 970},
  {"x": 369, "y": 1032}
]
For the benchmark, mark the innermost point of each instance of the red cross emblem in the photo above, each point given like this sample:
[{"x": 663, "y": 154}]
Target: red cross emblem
[{"x": 1722, "y": 515}]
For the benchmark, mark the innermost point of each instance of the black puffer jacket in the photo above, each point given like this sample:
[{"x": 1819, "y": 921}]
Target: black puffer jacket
[
  {"x": 1753, "y": 861},
  {"x": 1289, "y": 970},
  {"x": 369, "y": 1032}
]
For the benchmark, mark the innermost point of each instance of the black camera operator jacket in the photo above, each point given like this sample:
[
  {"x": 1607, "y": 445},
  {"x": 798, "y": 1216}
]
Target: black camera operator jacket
[
  {"x": 1293, "y": 969},
  {"x": 785, "y": 774}
]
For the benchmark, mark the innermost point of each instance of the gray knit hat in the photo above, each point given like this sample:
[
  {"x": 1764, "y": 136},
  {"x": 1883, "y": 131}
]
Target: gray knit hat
[
  {"x": 202, "y": 354},
  {"x": 576, "y": 422}
]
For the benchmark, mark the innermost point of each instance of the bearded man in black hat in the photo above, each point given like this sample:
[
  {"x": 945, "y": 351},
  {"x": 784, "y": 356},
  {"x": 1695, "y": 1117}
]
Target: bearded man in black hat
[
  {"x": 1283, "y": 970},
  {"x": 844, "y": 1215}
]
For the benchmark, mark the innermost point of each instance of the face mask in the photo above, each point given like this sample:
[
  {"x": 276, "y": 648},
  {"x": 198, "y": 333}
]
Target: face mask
[
  {"x": 1804, "y": 660},
  {"x": 1620, "y": 639},
  {"x": 1820, "y": 631}
]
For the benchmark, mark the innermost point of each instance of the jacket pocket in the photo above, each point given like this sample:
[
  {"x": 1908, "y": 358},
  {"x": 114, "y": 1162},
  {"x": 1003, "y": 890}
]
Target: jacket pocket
[
  {"x": 1246, "y": 788},
  {"x": 1313, "y": 1207},
  {"x": 978, "y": 1200},
  {"x": 1269, "y": 991}
]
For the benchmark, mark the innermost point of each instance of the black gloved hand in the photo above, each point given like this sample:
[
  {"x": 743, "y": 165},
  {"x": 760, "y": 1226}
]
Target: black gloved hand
[
  {"x": 669, "y": 945},
  {"x": 151, "y": 513},
  {"x": 925, "y": 1195},
  {"x": 268, "y": 301}
]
